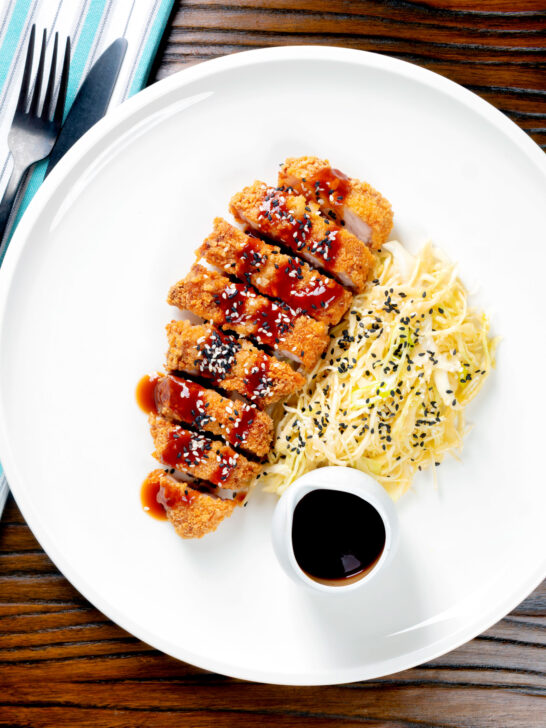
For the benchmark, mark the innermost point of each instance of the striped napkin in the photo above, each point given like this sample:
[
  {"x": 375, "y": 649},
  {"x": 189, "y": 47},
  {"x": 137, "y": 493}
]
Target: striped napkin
[{"x": 92, "y": 25}]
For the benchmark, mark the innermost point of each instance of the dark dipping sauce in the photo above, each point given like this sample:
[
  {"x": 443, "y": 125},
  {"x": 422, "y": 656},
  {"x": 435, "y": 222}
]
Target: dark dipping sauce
[{"x": 337, "y": 537}]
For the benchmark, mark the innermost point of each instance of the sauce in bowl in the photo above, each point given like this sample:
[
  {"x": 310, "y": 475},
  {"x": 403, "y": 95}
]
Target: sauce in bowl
[{"x": 337, "y": 537}]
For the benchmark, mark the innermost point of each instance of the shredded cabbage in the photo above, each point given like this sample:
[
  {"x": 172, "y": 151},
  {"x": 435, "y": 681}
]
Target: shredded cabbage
[{"x": 389, "y": 395}]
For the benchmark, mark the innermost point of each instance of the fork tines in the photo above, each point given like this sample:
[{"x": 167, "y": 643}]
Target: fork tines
[{"x": 48, "y": 113}]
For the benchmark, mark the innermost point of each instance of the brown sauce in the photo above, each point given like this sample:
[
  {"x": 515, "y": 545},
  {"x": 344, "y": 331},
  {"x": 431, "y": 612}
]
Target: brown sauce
[
  {"x": 145, "y": 393},
  {"x": 315, "y": 294},
  {"x": 330, "y": 186},
  {"x": 181, "y": 396},
  {"x": 185, "y": 448},
  {"x": 185, "y": 400},
  {"x": 257, "y": 381},
  {"x": 185, "y": 451},
  {"x": 269, "y": 321},
  {"x": 278, "y": 222},
  {"x": 148, "y": 497},
  {"x": 336, "y": 536},
  {"x": 239, "y": 431},
  {"x": 312, "y": 297}
]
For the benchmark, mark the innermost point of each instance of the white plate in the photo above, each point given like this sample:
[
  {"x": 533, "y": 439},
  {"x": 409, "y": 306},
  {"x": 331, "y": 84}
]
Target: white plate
[{"x": 82, "y": 311}]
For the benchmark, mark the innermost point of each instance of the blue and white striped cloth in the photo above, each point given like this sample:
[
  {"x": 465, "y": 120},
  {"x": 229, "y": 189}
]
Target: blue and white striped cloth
[{"x": 92, "y": 25}]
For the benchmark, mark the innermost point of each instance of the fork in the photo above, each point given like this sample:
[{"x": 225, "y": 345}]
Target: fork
[{"x": 33, "y": 134}]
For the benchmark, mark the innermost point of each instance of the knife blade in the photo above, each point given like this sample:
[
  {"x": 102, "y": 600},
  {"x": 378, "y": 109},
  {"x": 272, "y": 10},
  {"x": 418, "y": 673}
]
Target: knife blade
[{"x": 91, "y": 101}]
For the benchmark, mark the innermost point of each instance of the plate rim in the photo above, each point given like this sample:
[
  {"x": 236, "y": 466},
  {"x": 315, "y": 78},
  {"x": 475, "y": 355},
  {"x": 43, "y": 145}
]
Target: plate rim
[{"x": 68, "y": 164}]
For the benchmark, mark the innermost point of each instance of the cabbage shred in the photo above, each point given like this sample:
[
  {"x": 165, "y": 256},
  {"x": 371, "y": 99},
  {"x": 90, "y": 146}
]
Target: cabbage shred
[{"x": 389, "y": 395}]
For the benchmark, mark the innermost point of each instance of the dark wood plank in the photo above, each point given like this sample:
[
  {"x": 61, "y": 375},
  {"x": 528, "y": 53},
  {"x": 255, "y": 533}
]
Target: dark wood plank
[
  {"x": 63, "y": 663},
  {"x": 496, "y": 49}
]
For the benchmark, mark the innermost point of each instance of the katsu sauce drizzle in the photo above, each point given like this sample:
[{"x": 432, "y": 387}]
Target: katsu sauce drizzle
[
  {"x": 244, "y": 417},
  {"x": 270, "y": 321},
  {"x": 258, "y": 383},
  {"x": 187, "y": 402},
  {"x": 279, "y": 222},
  {"x": 284, "y": 284},
  {"x": 185, "y": 450},
  {"x": 330, "y": 187},
  {"x": 184, "y": 398}
]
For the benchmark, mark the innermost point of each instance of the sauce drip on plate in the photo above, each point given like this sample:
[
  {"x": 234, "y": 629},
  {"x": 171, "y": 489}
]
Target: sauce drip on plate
[
  {"x": 148, "y": 497},
  {"x": 145, "y": 393}
]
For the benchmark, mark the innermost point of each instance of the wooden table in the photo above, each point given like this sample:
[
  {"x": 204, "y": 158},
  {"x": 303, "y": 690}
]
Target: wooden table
[{"x": 62, "y": 663}]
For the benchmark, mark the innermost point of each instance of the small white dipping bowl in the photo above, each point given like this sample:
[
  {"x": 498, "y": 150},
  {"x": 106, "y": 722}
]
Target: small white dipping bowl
[{"x": 346, "y": 480}]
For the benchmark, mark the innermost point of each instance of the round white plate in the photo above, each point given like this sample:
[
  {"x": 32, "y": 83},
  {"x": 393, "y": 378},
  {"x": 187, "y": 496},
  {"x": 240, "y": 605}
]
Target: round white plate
[{"x": 82, "y": 316}]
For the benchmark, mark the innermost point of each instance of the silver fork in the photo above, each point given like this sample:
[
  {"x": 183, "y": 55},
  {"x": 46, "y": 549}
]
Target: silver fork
[{"x": 33, "y": 134}]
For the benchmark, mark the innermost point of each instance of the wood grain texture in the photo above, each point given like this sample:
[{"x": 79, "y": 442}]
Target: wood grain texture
[
  {"x": 62, "y": 663},
  {"x": 496, "y": 49}
]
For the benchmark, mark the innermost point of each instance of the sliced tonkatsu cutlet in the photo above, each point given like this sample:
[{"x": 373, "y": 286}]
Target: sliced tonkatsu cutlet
[
  {"x": 274, "y": 273},
  {"x": 199, "y": 456},
  {"x": 232, "y": 364},
  {"x": 192, "y": 512},
  {"x": 356, "y": 204},
  {"x": 289, "y": 219},
  {"x": 237, "y": 307},
  {"x": 241, "y": 424}
]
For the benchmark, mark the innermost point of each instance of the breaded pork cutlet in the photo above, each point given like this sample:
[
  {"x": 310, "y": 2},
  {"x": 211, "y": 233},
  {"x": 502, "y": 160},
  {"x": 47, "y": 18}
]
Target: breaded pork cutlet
[
  {"x": 288, "y": 218},
  {"x": 240, "y": 424},
  {"x": 192, "y": 512},
  {"x": 232, "y": 364},
  {"x": 357, "y": 205},
  {"x": 274, "y": 273},
  {"x": 200, "y": 456},
  {"x": 236, "y": 307}
]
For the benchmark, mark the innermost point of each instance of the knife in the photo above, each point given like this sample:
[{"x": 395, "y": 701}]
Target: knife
[{"x": 91, "y": 101}]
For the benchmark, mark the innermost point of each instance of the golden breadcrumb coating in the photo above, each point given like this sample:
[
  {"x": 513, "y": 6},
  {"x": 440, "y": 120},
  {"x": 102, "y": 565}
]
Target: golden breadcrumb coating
[
  {"x": 234, "y": 365},
  {"x": 241, "y": 424},
  {"x": 291, "y": 220},
  {"x": 236, "y": 307},
  {"x": 200, "y": 456},
  {"x": 274, "y": 273},
  {"x": 365, "y": 211},
  {"x": 192, "y": 512}
]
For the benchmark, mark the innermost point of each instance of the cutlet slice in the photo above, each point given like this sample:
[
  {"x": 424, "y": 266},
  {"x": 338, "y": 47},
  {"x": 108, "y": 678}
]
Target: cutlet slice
[
  {"x": 238, "y": 308},
  {"x": 240, "y": 424},
  {"x": 200, "y": 456},
  {"x": 192, "y": 512},
  {"x": 234, "y": 365},
  {"x": 363, "y": 210},
  {"x": 274, "y": 273},
  {"x": 290, "y": 219}
]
